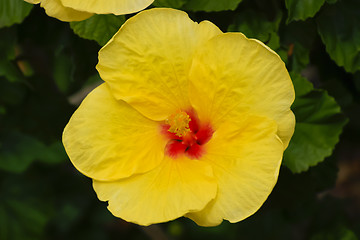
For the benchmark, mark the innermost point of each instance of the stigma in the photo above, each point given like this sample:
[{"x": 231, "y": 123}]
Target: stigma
[{"x": 186, "y": 135}]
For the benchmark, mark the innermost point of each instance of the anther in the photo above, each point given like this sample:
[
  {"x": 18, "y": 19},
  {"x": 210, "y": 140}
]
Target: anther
[{"x": 179, "y": 123}]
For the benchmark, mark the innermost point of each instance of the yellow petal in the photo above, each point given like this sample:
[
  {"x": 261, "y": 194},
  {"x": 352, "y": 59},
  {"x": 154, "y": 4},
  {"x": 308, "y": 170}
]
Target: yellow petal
[
  {"x": 147, "y": 62},
  {"x": 54, "y": 8},
  {"x": 171, "y": 190},
  {"x": 245, "y": 158},
  {"x": 33, "y": 1},
  {"x": 232, "y": 75},
  {"x": 107, "y": 139},
  {"x": 117, "y": 7}
]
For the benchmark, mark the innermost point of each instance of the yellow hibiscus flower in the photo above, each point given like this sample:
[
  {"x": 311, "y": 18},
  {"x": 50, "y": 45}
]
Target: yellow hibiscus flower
[
  {"x": 78, "y": 10},
  {"x": 189, "y": 122}
]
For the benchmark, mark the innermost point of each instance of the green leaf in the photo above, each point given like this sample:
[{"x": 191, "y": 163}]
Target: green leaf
[
  {"x": 331, "y": 1},
  {"x": 302, "y": 9},
  {"x": 301, "y": 57},
  {"x": 356, "y": 80},
  {"x": 283, "y": 55},
  {"x": 211, "y": 5},
  {"x": 169, "y": 3},
  {"x": 8, "y": 38},
  {"x": 64, "y": 69},
  {"x": 339, "y": 28},
  {"x": 10, "y": 71},
  {"x": 8, "y": 67},
  {"x": 21, "y": 220},
  {"x": 13, "y": 11},
  {"x": 18, "y": 151},
  {"x": 2, "y": 110},
  {"x": 336, "y": 233},
  {"x": 53, "y": 154},
  {"x": 319, "y": 123},
  {"x": 25, "y": 208},
  {"x": 100, "y": 28},
  {"x": 3, "y": 223},
  {"x": 299, "y": 37},
  {"x": 256, "y": 25},
  {"x": 11, "y": 93}
]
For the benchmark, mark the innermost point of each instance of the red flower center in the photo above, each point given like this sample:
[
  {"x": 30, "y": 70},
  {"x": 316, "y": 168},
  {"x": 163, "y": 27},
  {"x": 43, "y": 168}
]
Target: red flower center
[{"x": 186, "y": 134}]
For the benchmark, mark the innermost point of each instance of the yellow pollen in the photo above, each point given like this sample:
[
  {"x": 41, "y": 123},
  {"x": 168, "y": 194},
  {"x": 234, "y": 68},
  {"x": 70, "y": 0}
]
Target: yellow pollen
[{"x": 179, "y": 123}]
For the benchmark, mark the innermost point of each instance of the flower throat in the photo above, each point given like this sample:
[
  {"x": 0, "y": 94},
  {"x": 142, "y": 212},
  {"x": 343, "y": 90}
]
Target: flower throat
[{"x": 187, "y": 135}]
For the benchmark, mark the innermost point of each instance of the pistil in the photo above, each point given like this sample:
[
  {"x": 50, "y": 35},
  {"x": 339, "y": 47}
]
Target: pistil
[{"x": 186, "y": 134}]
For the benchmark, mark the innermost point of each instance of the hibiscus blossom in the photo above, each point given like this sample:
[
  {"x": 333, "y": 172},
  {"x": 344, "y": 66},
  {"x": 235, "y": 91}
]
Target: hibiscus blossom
[
  {"x": 189, "y": 122},
  {"x": 78, "y": 10}
]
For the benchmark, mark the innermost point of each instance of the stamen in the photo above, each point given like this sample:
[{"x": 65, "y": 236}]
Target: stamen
[
  {"x": 187, "y": 135},
  {"x": 179, "y": 123}
]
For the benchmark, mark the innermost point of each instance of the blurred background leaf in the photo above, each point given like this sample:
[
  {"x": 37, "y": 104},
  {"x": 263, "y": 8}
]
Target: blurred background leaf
[
  {"x": 99, "y": 27},
  {"x": 47, "y": 67},
  {"x": 211, "y": 5},
  {"x": 337, "y": 233},
  {"x": 20, "y": 220},
  {"x": 13, "y": 11},
  {"x": 18, "y": 151},
  {"x": 170, "y": 3}
]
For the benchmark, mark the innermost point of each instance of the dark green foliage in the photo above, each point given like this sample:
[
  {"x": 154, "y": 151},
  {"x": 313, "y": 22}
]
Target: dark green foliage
[
  {"x": 13, "y": 11},
  {"x": 199, "y": 5},
  {"x": 99, "y": 27},
  {"x": 211, "y": 5},
  {"x": 170, "y": 3},
  {"x": 339, "y": 28},
  {"x": 256, "y": 25},
  {"x": 319, "y": 123},
  {"x": 18, "y": 151},
  {"x": 302, "y": 9},
  {"x": 46, "y": 68}
]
